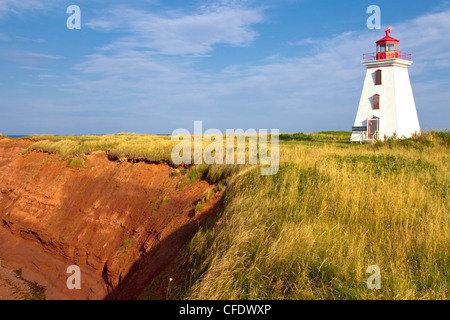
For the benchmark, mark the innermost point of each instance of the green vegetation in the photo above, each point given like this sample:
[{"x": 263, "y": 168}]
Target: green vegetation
[
  {"x": 127, "y": 242},
  {"x": 341, "y": 136},
  {"x": 199, "y": 207},
  {"x": 311, "y": 231},
  {"x": 295, "y": 137},
  {"x": 131, "y": 146},
  {"x": 332, "y": 136},
  {"x": 193, "y": 175},
  {"x": 138, "y": 147},
  {"x": 125, "y": 246},
  {"x": 77, "y": 162},
  {"x": 36, "y": 291},
  {"x": 385, "y": 164}
]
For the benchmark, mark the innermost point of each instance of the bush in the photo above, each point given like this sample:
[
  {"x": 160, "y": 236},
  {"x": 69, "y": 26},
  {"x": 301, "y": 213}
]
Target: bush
[{"x": 76, "y": 163}]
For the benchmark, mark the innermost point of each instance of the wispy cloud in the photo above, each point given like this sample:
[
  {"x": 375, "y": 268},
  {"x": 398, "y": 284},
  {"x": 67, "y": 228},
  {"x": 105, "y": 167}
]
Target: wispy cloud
[
  {"x": 304, "y": 42},
  {"x": 15, "y": 6},
  {"x": 426, "y": 38},
  {"x": 27, "y": 39},
  {"x": 46, "y": 76},
  {"x": 177, "y": 33},
  {"x": 25, "y": 57},
  {"x": 31, "y": 68}
]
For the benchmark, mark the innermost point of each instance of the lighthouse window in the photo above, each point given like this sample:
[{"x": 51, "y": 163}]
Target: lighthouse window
[
  {"x": 378, "y": 77},
  {"x": 382, "y": 48},
  {"x": 390, "y": 47},
  {"x": 376, "y": 102}
]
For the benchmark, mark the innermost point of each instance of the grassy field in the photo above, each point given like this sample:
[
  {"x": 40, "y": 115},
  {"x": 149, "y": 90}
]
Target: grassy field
[
  {"x": 147, "y": 147},
  {"x": 312, "y": 230}
]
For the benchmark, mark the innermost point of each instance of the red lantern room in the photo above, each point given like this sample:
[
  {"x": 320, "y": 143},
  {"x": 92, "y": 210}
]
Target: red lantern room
[{"x": 387, "y": 48}]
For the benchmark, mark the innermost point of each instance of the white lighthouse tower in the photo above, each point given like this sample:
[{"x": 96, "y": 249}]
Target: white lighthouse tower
[{"x": 387, "y": 106}]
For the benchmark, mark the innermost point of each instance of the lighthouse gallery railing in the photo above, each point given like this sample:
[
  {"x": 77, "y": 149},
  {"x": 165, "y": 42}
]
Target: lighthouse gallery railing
[{"x": 373, "y": 56}]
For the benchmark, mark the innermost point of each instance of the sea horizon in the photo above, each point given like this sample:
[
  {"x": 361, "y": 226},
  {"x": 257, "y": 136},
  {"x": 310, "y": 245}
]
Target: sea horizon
[{"x": 18, "y": 136}]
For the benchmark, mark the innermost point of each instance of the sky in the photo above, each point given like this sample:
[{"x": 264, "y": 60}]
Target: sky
[{"x": 153, "y": 66}]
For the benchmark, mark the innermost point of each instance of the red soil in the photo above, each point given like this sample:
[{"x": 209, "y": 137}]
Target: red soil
[{"x": 121, "y": 223}]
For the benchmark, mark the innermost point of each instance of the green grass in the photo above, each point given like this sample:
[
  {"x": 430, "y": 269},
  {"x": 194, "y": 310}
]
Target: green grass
[
  {"x": 35, "y": 291},
  {"x": 332, "y": 136},
  {"x": 138, "y": 147},
  {"x": 77, "y": 162},
  {"x": 127, "y": 242},
  {"x": 311, "y": 231},
  {"x": 338, "y": 136},
  {"x": 199, "y": 207},
  {"x": 385, "y": 164},
  {"x": 131, "y": 146},
  {"x": 295, "y": 137},
  {"x": 193, "y": 175}
]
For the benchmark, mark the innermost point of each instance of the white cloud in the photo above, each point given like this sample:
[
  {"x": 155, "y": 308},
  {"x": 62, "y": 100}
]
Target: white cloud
[
  {"x": 129, "y": 63},
  {"x": 180, "y": 34},
  {"x": 427, "y": 39},
  {"x": 17, "y": 6}
]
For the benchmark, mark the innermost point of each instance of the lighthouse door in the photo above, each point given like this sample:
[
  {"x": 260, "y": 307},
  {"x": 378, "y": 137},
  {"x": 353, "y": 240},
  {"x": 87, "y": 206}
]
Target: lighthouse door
[{"x": 373, "y": 128}]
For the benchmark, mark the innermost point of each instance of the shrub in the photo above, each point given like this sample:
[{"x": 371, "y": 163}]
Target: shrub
[{"x": 77, "y": 162}]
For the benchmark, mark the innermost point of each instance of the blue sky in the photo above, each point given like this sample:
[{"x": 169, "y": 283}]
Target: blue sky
[{"x": 154, "y": 66}]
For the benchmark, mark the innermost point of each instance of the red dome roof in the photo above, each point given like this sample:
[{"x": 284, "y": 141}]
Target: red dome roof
[{"x": 388, "y": 37}]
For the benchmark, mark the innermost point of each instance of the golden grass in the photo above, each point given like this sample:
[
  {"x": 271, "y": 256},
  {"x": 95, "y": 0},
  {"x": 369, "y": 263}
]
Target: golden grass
[
  {"x": 152, "y": 148},
  {"x": 131, "y": 146},
  {"x": 311, "y": 231}
]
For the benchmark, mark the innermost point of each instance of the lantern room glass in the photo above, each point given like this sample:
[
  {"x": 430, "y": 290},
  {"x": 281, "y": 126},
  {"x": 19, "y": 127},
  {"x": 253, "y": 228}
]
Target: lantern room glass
[{"x": 387, "y": 47}]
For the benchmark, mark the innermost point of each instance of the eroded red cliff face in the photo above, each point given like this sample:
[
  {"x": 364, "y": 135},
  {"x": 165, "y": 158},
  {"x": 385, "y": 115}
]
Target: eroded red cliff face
[{"x": 121, "y": 223}]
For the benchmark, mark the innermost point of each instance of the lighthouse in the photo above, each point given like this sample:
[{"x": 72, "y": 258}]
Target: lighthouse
[{"x": 387, "y": 106}]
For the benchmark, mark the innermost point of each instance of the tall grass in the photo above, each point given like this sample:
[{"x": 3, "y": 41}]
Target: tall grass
[
  {"x": 131, "y": 146},
  {"x": 317, "y": 136},
  {"x": 134, "y": 147},
  {"x": 312, "y": 230}
]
